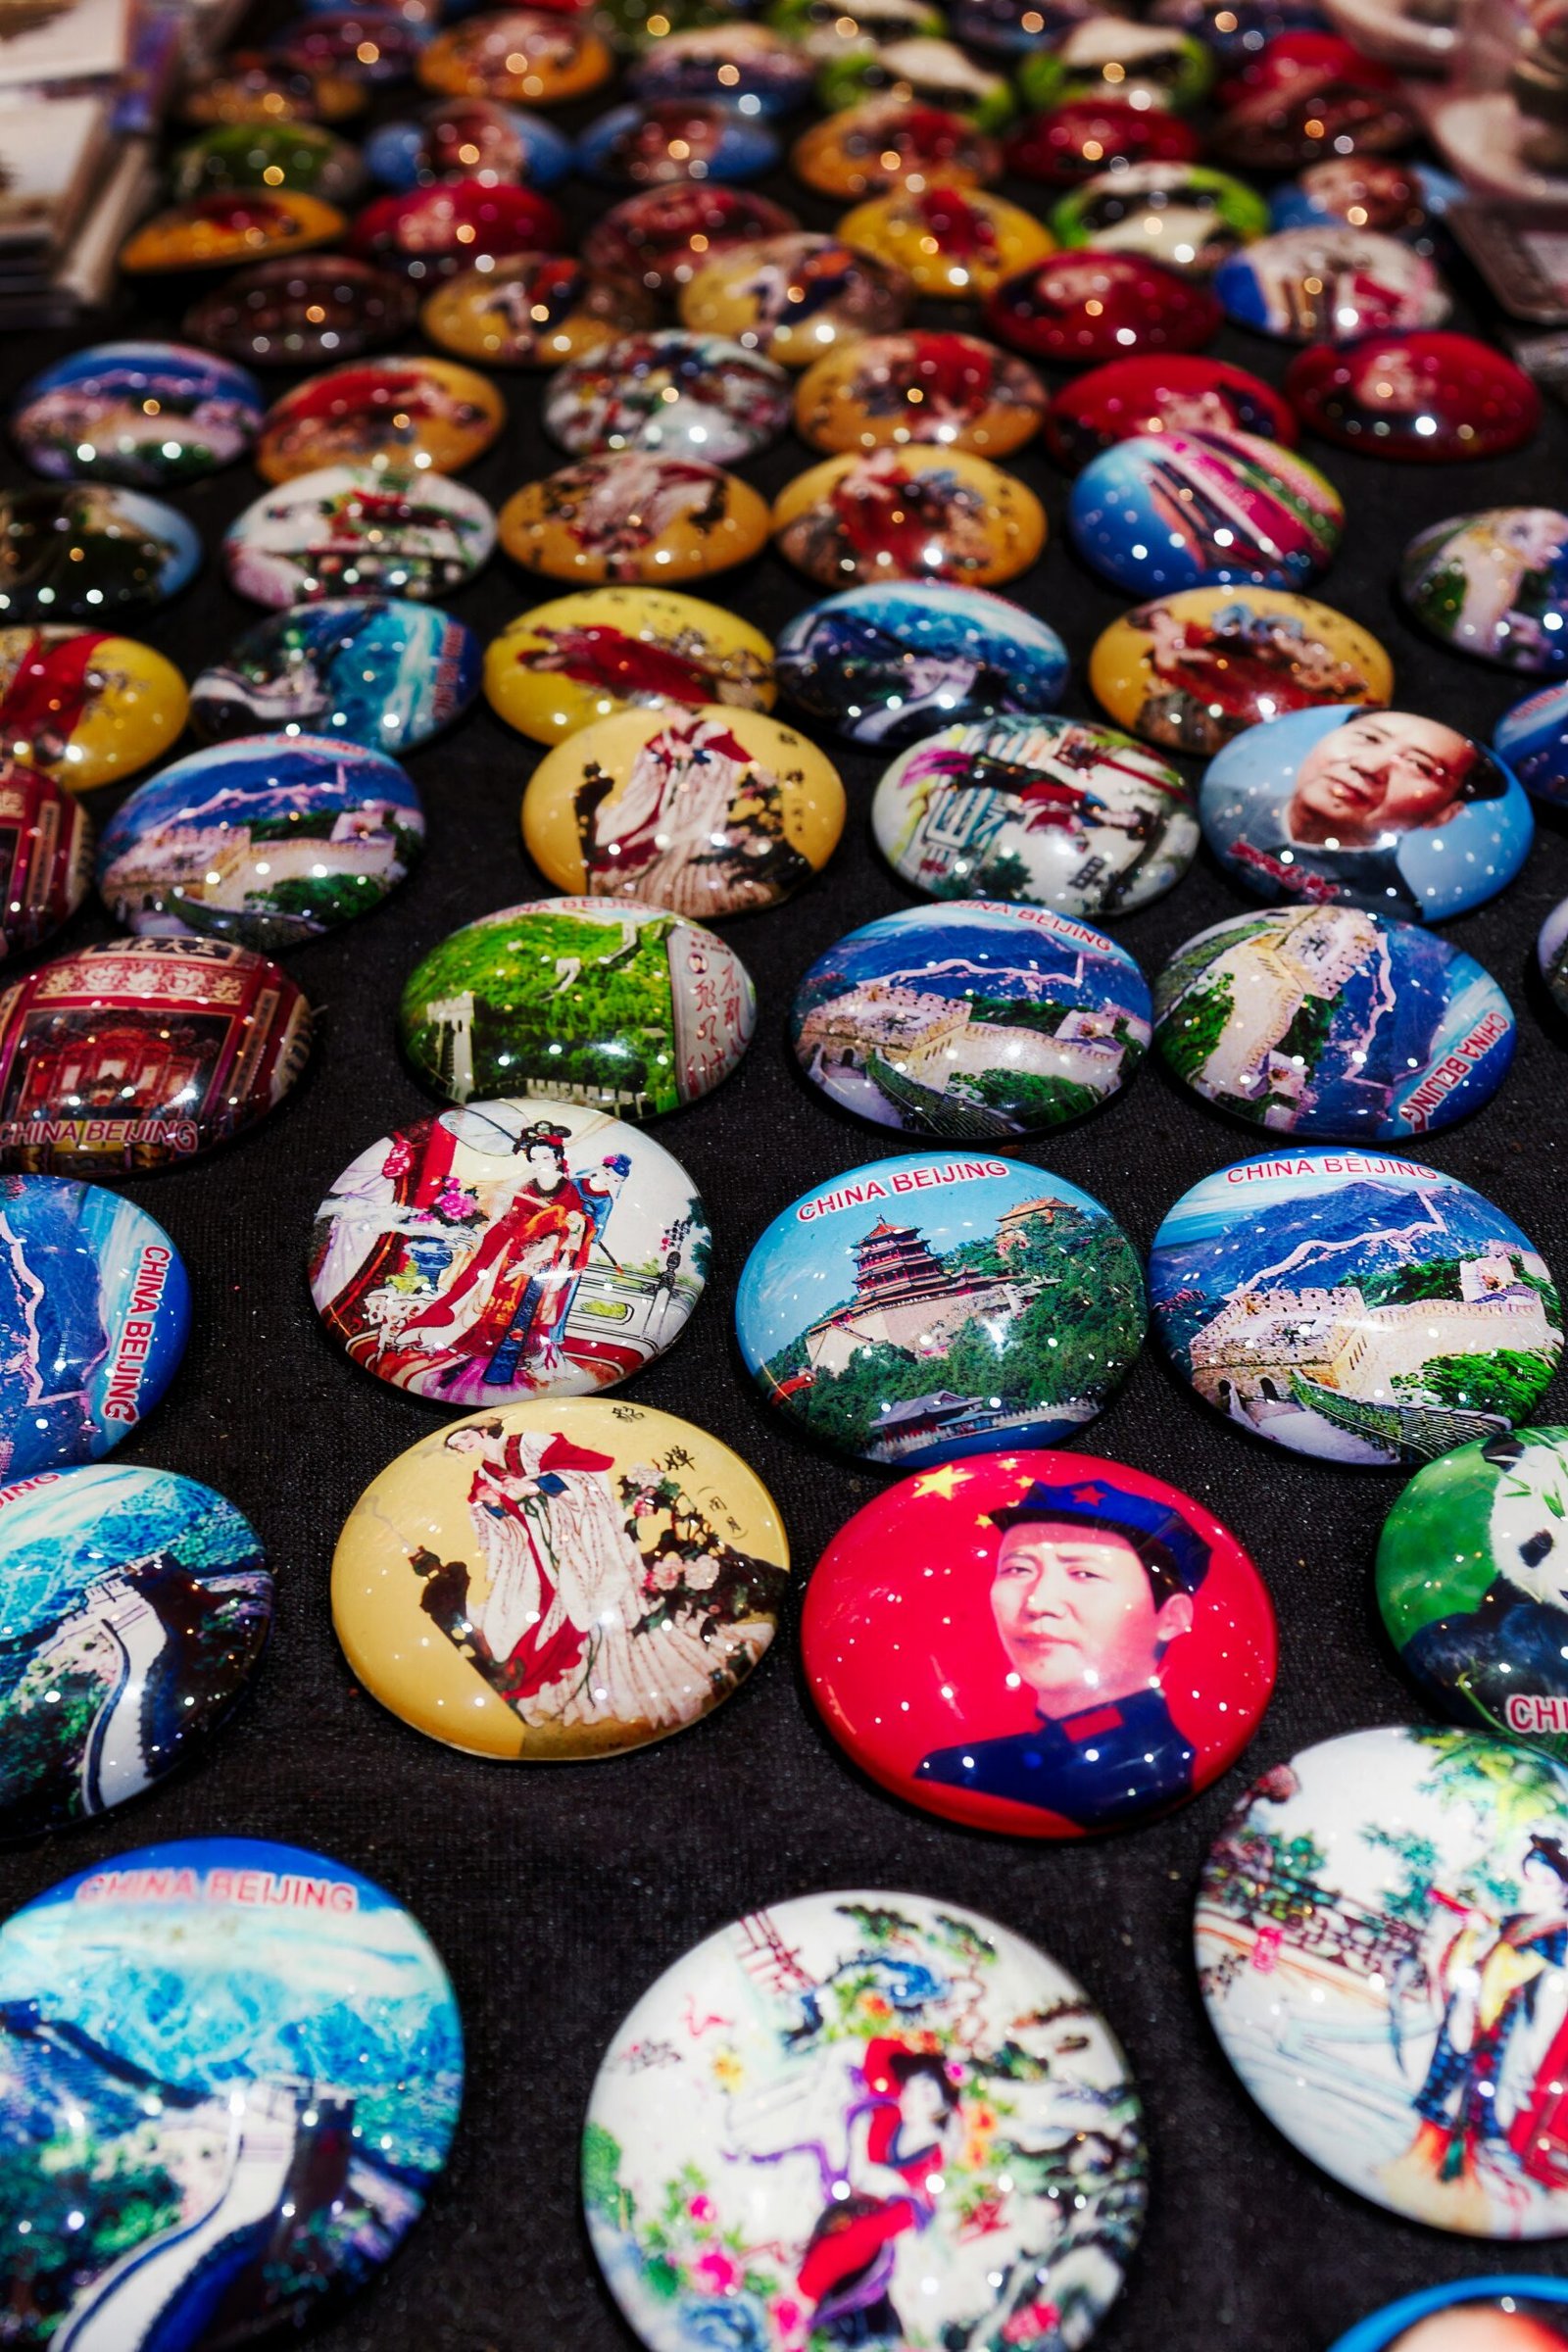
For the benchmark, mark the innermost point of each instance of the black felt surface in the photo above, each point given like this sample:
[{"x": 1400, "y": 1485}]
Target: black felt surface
[{"x": 558, "y": 1893}]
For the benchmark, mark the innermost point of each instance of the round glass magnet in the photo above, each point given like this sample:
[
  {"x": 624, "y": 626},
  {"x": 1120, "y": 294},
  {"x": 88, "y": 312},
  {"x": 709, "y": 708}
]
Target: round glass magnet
[
  {"x": 710, "y": 812},
  {"x": 1054, "y": 812},
  {"x": 1472, "y": 1583},
  {"x": 1380, "y": 809},
  {"x": 1419, "y": 394},
  {"x": 1493, "y": 584},
  {"x": 369, "y": 670},
  {"x": 1317, "y": 1930},
  {"x": 267, "y": 841},
  {"x": 1047, "y": 1645},
  {"x": 1302, "y": 284},
  {"x": 893, "y": 143},
  {"x": 45, "y": 855},
  {"x": 85, "y": 707},
  {"x": 1469, "y": 2315},
  {"x": 137, "y": 1608},
  {"x": 219, "y": 231},
  {"x": 1011, "y": 28},
  {"x": 1079, "y": 307},
  {"x": 491, "y": 1253},
  {"x": 300, "y": 313},
  {"x": 915, "y": 513},
  {"x": 531, "y": 309},
  {"x": 522, "y": 56},
  {"x": 456, "y": 224},
  {"x": 1531, "y": 737},
  {"x": 1108, "y": 57},
  {"x": 651, "y": 143},
  {"x": 581, "y": 657},
  {"x": 922, "y": 70},
  {"x": 622, "y": 1007},
  {"x": 750, "y": 67},
  {"x": 873, "y": 2028},
  {"x": 1356, "y": 1307},
  {"x": 1181, "y": 214},
  {"x": 1181, "y": 509},
  {"x": 266, "y": 154},
  {"x": 368, "y": 45},
  {"x": 971, "y": 1019},
  {"x": 1192, "y": 670},
  {"x": 1288, "y": 108},
  {"x": 94, "y": 1313},
  {"x": 955, "y": 391},
  {"x": 948, "y": 241},
  {"x": 222, "y": 2027},
  {"x": 469, "y": 138},
  {"x": 424, "y": 416},
  {"x": 559, "y": 1579},
  {"x": 793, "y": 298},
  {"x": 247, "y": 86},
  {"x": 914, "y": 1310},
  {"x": 89, "y": 549},
  {"x": 352, "y": 527},
  {"x": 883, "y": 665},
  {"x": 144, "y": 414},
  {"x": 1551, "y": 956},
  {"x": 634, "y": 515},
  {"x": 1366, "y": 191},
  {"x": 1177, "y": 393},
  {"x": 662, "y": 238},
  {"x": 142, "y": 1053},
  {"x": 1085, "y": 136},
  {"x": 823, "y": 29},
  {"x": 1331, "y": 1021},
  {"x": 673, "y": 392}
]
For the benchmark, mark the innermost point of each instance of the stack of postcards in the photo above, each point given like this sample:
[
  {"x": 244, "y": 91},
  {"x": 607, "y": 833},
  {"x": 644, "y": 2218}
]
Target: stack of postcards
[{"x": 84, "y": 85}]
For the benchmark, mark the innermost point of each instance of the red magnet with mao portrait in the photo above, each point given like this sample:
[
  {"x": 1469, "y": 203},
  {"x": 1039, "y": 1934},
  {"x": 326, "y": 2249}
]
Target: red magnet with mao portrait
[{"x": 1044, "y": 1643}]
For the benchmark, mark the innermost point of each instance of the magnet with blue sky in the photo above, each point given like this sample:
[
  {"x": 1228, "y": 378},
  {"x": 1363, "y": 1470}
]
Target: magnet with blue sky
[
  {"x": 1183, "y": 510},
  {"x": 1052, "y": 812},
  {"x": 1380, "y": 809},
  {"x": 886, "y": 665},
  {"x": 1533, "y": 737},
  {"x": 256, "y": 2056},
  {"x": 266, "y": 842},
  {"x": 469, "y": 138},
  {"x": 971, "y": 1019},
  {"x": 138, "y": 1606},
  {"x": 649, "y": 143},
  {"x": 921, "y": 1309},
  {"x": 373, "y": 669},
  {"x": 1355, "y": 1307},
  {"x": 1331, "y": 1021},
  {"x": 1305, "y": 286},
  {"x": 143, "y": 413},
  {"x": 94, "y": 1313}
]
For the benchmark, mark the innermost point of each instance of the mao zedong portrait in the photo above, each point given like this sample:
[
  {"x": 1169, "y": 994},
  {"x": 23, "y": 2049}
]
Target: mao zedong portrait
[
  {"x": 1363, "y": 788},
  {"x": 1090, "y": 1588}
]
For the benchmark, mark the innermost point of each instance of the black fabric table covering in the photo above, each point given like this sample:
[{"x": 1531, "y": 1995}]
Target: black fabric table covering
[{"x": 557, "y": 1893}]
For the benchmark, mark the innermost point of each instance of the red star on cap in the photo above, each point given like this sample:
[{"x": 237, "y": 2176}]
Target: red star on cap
[{"x": 1089, "y": 1494}]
